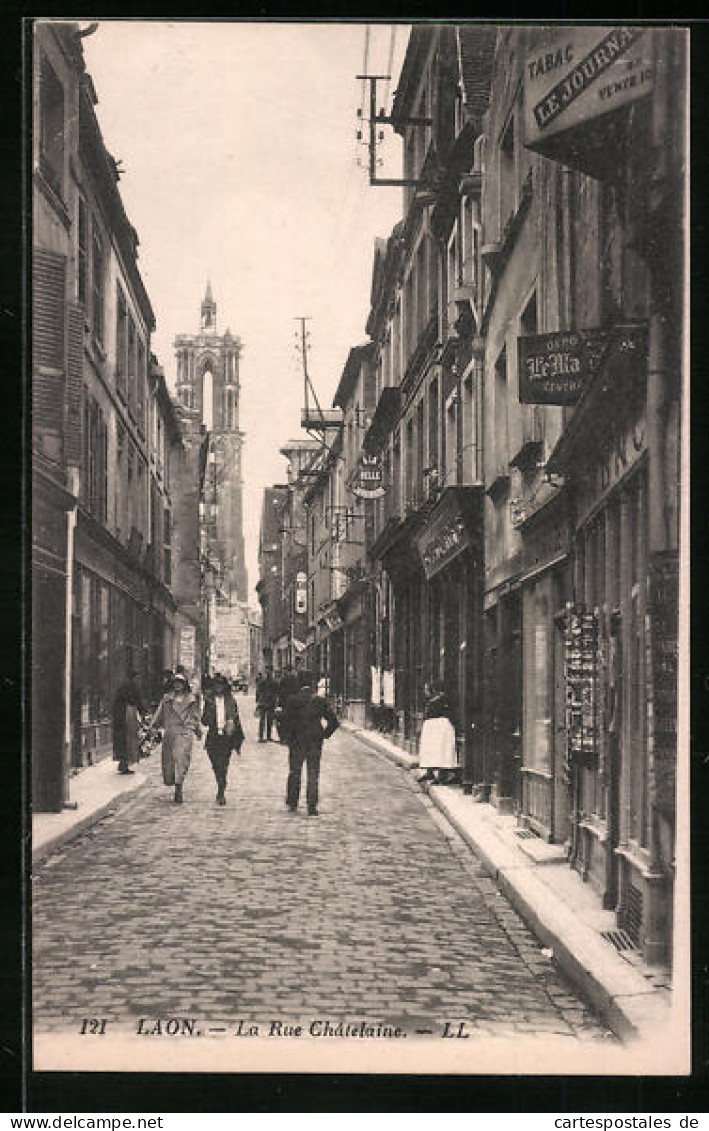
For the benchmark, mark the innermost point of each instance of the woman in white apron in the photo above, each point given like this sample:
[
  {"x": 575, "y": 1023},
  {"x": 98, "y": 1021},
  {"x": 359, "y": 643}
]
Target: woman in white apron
[{"x": 438, "y": 756}]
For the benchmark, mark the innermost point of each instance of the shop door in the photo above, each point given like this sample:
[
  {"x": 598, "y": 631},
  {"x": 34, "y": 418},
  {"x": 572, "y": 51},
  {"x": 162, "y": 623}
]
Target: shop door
[{"x": 510, "y": 699}]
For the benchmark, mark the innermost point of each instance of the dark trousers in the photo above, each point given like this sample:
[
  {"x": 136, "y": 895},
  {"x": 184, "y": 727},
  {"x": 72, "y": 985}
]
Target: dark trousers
[
  {"x": 219, "y": 751},
  {"x": 265, "y": 722},
  {"x": 296, "y": 756}
]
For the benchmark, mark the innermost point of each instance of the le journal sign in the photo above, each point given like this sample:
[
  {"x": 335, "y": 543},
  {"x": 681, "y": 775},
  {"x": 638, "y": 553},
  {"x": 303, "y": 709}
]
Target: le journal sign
[
  {"x": 586, "y": 72},
  {"x": 556, "y": 368}
]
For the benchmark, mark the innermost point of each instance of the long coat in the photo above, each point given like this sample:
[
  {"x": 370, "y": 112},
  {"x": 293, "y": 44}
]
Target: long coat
[
  {"x": 126, "y": 706},
  {"x": 180, "y": 720}
]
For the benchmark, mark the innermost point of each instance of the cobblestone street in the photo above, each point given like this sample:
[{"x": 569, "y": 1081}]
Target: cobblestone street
[{"x": 248, "y": 913}]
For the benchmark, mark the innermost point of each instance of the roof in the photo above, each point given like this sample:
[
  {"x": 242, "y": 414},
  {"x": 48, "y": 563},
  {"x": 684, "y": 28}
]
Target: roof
[
  {"x": 350, "y": 372},
  {"x": 476, "y": 52}
]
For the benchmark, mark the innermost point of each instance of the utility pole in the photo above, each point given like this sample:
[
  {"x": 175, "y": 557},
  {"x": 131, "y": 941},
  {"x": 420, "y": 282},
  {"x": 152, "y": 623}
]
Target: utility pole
[{"x": 377, "y": 119}]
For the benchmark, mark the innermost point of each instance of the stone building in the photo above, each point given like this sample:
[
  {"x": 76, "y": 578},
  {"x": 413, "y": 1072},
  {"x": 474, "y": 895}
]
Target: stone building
[
  {"x": 104, "y": 434},
  {"x": 208, "y": 382}
]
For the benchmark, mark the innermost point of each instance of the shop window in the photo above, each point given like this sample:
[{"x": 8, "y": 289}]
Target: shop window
[{"x": 51, "y": 126}]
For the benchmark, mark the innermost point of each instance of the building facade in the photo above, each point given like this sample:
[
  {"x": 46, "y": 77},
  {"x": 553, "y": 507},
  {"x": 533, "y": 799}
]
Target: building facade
[{"x": 104, "y": 435}]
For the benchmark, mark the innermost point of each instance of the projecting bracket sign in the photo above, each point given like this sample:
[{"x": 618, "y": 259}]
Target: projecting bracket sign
[
  {"x": 556, "y": 368},
  {"x": 582, "y": 75}
]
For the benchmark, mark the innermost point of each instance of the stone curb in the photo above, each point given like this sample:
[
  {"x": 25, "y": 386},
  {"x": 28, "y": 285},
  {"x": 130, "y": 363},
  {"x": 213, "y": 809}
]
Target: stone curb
[
  {"x": 627, "y": 1003},
  {"x": 65, "y": 836}
]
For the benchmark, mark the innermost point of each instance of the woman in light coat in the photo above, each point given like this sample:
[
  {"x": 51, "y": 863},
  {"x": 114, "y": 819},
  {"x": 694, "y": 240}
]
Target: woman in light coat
[
  {"x": 178, "y": 714},
  {"x": 437, "y": 747}
]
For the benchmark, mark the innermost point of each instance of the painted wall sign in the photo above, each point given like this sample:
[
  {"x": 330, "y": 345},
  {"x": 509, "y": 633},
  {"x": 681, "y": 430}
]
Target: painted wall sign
[
  {"x": 556, "y": 368},
  {"x": 368, "y": 482},
  {"x": 585, "y": 73}
]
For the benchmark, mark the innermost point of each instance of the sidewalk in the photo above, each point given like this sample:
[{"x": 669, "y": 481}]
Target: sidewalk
[
  {"x": 565, "y": 914},
  {"x": 93, "y": 791}
]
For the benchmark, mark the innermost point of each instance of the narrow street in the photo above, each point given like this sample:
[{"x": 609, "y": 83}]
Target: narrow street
[{"x": 248, "y": 913}]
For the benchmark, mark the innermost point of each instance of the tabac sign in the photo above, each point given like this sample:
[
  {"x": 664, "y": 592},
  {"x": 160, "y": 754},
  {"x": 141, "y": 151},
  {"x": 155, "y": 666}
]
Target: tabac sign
[
  {"x": 368, "y": 483},
  {"x": 585, "y": 73},
  {"x": 556, "y": 368}
]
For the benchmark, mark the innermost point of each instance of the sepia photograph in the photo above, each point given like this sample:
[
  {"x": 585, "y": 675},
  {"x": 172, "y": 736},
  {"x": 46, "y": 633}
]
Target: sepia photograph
[{"x": 359, "y": 538}]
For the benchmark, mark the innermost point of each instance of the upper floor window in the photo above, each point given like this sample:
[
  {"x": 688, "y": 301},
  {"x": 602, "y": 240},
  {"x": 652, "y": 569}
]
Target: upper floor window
[
  {"x": 82, "y": 252},
  {"x": 508, "y": 179},
  {"x": 131, "y": 360},
  {"x": 121, "y": 342},
  {"x": 97, "y": 284},
  {"x": 140, "y": 381},
  {"x": 51, "y": 126}
]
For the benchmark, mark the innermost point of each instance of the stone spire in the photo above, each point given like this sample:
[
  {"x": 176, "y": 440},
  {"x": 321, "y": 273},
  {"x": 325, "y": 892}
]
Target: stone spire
[{"x": 209, "y": 310}]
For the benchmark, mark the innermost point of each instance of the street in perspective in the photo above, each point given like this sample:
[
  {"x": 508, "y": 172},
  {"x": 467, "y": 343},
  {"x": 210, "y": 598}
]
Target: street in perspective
[{"x": 358, "y": 547}]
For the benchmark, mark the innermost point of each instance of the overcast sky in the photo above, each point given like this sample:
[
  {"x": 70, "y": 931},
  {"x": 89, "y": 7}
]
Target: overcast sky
[{"x": 238, "y": 146}]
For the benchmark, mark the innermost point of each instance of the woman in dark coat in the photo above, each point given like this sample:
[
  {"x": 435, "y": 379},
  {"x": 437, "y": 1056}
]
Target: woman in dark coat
[
  {"x": 224, "y": 731},
  {"x": 127, "y": 706}
]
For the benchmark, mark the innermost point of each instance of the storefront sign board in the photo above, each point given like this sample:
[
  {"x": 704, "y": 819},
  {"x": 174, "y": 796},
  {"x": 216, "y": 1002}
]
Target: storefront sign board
[
  {"x": 556, "y": 368},
  {"x": 584, "y": 74}
]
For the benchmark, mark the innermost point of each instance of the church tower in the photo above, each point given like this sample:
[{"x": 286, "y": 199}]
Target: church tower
[{"x": 208, "y": 382}]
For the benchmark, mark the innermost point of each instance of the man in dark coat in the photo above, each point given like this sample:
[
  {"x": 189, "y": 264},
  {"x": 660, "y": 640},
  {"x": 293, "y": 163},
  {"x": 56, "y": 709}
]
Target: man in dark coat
[
  {"x": 224, "y": 731},
  {"x": 288, "y": 684},
  {"x": 303, "y": 719},
  {"x": 266, "y": 700},
  {"x": 127, "y": 706}
]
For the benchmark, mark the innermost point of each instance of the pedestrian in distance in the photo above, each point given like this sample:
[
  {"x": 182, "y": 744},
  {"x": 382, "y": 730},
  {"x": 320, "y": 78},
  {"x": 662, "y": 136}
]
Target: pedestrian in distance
[
  {"x": 167, "y": 677},
  {"x": 438, "y": 757},
  {"x": 127, "y": 709},
  {"x": 178, "y": 715},
  {"x": 266, "y": 700},
  {"x": 308, "y": 721},
  {"x": 224, "y": 731}
]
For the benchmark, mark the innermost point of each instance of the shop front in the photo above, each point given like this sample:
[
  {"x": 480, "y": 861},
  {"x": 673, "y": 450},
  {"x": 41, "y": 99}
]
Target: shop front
[
  {"x": 545, "y": 592},
  {"x": 450, "y": 546},
  {"x": 621, "y": 656}
]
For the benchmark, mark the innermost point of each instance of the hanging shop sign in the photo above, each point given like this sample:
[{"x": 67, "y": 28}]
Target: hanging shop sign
[
  {"x": 368, "y": 483},
  {"x": 556, "y": 368},
  {"x": 662, "y": 671},
  {"x": 581, "y": 677},
  {"x": 301, "y": 593},
  {"x": 584, "y": 74},
  {"x": 188, "y": 639}
]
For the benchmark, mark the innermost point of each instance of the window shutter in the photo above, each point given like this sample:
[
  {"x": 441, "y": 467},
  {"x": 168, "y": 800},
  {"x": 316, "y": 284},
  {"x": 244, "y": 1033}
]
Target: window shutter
[
  {"x": 48, "y": 348},
  {"x": 75, "y": 354}
]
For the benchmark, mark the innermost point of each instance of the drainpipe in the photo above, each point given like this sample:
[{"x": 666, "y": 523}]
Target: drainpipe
[{"x": 68, "y": 647}]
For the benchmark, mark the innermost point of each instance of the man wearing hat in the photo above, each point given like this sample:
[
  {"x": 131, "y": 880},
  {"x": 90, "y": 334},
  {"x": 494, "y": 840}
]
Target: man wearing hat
[
  {"x": 303, "y": 718},
  {"x": 224, "y": 731}
]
